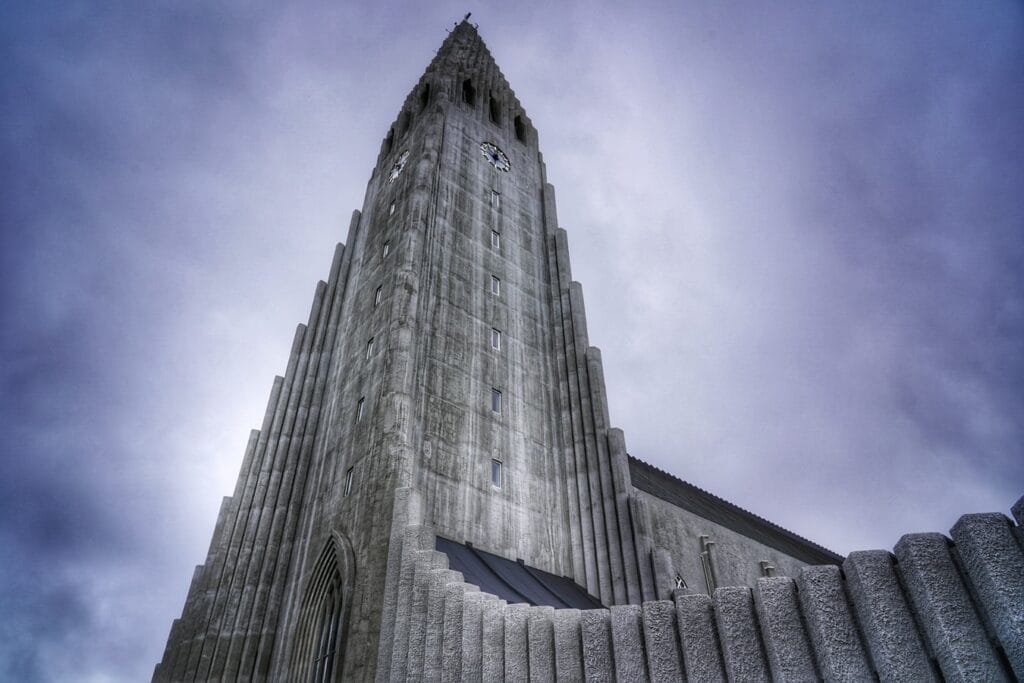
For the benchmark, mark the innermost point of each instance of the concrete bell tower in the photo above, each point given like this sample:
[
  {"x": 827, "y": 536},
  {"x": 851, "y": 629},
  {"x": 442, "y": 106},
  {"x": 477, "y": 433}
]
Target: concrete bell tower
[{"x": 445, "y": 359}]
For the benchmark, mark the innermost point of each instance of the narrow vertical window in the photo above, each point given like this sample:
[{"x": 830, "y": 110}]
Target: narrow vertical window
[
  {"x": 359, "y": 409},
  {"x": 425, "y": 96},
  {"x": 495, "y": 239},
  {"x": 495, "y": 400},
  {"x": 377, "y": 296},
  {"x": 386, "y": 250},
  {"x": 520, "y": 129},
  {"x": 348, "y": 480},
  {"x": 369, "y": 348},
  {"x": 468, "y": 92},
  {"x": 495, "y": 110},
  {"x": 496, "y": 339},
  {"x": 495, "y": 199},
  {"x": 495, "y": 285},
  {"x": 496, "y": 474}
]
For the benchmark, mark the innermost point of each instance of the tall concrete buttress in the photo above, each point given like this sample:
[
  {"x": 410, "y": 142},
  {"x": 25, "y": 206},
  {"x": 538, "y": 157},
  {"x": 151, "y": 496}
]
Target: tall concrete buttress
[{"x": 443, "y": 420}]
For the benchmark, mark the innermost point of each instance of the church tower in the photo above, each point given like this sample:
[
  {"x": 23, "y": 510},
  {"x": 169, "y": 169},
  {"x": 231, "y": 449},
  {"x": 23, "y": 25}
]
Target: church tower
[
  {"x": 447, "y": 357},
  {"x": 436, "y": 491}
]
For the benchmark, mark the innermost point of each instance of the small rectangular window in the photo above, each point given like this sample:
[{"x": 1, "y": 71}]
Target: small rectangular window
[
  {"x": 377, "y": 296},
  {"x": 495, "y": 239},
  {"x": 495, "y": 285},
  {"x": 349, "y": 475},
  {"x": 386, "y": 250},
  {"x": 369, "y": 348},
  {"x": 495, "y": 400},
  {"x": 496, "y": 339},
  {"x": 496, "y": 474},
  {"x": 495, "y": 199},
  {"x": 359, "y": 409}
]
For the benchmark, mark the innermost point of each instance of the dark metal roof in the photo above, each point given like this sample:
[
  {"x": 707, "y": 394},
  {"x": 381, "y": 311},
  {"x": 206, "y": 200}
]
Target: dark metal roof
[
  {"x": 513, "y": 581},
  {"x": 683, "y": 494}
]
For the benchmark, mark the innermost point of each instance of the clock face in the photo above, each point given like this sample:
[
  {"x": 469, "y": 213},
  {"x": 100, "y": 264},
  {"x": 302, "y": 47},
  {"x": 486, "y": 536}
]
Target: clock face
[
  {"x": 399, "y": 165},
  {"x": 494, "y": 155}
]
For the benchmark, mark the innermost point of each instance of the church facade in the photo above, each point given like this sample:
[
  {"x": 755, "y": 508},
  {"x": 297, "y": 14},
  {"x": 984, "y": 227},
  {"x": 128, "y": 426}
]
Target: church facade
[{"x": 437, "y": 490}]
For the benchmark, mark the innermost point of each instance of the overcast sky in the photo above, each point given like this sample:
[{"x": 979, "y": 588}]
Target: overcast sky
[{"x": 800, "y": 231}]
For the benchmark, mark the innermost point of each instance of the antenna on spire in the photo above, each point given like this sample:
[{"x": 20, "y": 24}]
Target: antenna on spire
[{"x": 466, "y": 18}]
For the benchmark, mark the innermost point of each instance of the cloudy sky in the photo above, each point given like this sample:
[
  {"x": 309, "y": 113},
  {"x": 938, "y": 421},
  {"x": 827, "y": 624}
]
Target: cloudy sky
[{"x": 800, "y": 231}]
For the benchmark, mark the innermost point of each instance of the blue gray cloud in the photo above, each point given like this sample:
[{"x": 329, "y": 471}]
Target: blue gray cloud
[{"x": 800, "y": 231}]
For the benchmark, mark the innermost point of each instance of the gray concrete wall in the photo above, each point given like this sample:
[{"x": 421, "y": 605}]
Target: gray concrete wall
[
  {"x": 736, "y": 559},
  {"x": 917, "y": 615}
]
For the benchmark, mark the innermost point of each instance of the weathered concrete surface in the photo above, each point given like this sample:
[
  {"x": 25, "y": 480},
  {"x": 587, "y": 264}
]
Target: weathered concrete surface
[
  {"x": 945, "y": 611},
  {"x": 568, "y": 646},
  {"x": 661, "y": 641},
  {"x": 698, "y": 637},
  {"x": 627, "y": 643},
  {"x": 738, "y": 633},
  {"x": 893, "y": 642},
  {"x": 830, "y": 625},
  {"x": 541, "y": 635},
  {"x": 994, "y": 564},
  {"x": 596, "y": 630},
  {"x": 517, "y": 646},
  {"x": 789, "y": 651}
]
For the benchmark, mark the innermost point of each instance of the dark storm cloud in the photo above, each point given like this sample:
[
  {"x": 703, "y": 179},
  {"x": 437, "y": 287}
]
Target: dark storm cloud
[{"x": 799, "y": 229}]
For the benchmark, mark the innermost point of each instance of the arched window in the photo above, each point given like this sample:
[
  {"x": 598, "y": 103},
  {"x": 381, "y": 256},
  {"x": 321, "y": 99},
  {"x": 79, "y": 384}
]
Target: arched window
[
  {"x": 520, "y": 129},
  {"x": 424, "y": 96},
  {"x": 495, "y": 110},
  {"x": 320, "y": 633},
  {"x": 468, "y": 92}
]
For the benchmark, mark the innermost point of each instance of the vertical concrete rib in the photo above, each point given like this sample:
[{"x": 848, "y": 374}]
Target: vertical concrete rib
[
  {"x": 472, "y": 632},
  {"x": 891, "y": 636},
  {"x": 399, "y": 553},
  {"x": 840, "y": 654},
  {"x": 598, "y": 397},
  {"x": 221, "y": 575},
  {"x": 493, "y": 647},
  {"x": 628, "y": 643},
  {"x": 451, "y": 644},
  {"x": 945, "y": 611},
  {"x": 661, "y": 641},
  {"x": 254, "y": 543},
  {"x": 517, "y": 650},
  {"x": 266, "y": 545},
  {"x": 262, "y": 629},
  {"x": 596, "y": 634},
  {"x": 579, "y": 388},
  {"x": 790, "y": 657},
  {"x": 559, "y": 271},
  {"x": 698, "y": 638},
  {"x": 228, "y": 595},
  {"x": 411, "y": 544},
  {"x": 569, "y": 388},
  {"x": 568, "y": 646},
  {"x": 994, "y": 564},
  {"x": 541, "y": 644},
  {"x": 737, "y": 630},
  {"x": 639, "y": 522},
  {"x": 432, "y": 575},
  {"x": 433, "y": 644},
  {"x": 271, "y": 649},
  {"x": 622, "y": 486}
]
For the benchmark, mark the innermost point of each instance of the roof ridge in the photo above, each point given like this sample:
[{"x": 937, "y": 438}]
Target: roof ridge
[{"x": 736, "y": 507}]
